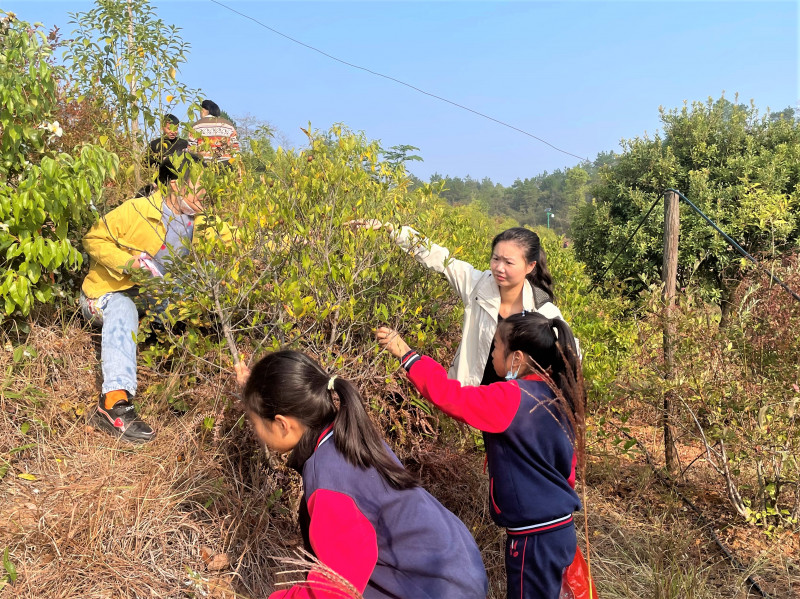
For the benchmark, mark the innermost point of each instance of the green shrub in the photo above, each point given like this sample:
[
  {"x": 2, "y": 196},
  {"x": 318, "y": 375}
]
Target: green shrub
[{"x": 44, "y": 195}]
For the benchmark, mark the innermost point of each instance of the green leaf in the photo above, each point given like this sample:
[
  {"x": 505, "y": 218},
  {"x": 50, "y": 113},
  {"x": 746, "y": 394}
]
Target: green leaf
[{"x": 9, "y": 567}]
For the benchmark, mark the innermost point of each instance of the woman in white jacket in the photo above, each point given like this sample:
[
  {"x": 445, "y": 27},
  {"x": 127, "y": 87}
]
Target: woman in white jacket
[{"x": 517, "y": 280}]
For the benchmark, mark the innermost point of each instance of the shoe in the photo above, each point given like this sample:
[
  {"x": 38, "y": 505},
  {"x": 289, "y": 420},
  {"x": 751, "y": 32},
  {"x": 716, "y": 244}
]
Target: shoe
[{"x": 121, "y": 421}]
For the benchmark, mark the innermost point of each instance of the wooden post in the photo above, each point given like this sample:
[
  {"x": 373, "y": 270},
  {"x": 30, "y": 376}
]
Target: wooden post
[{"x": 669, "y": 276}]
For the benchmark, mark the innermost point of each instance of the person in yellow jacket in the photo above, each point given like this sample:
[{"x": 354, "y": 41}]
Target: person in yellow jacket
[{"x": 142, "y": 233}]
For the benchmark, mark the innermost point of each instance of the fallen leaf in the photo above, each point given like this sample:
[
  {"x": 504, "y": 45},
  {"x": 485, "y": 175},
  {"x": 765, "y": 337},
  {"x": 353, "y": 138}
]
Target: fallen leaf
[{"x": 219, "y": 562}]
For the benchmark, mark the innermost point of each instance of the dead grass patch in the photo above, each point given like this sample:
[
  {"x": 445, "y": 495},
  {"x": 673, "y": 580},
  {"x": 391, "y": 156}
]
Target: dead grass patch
[{"x": 204, "y": 512}]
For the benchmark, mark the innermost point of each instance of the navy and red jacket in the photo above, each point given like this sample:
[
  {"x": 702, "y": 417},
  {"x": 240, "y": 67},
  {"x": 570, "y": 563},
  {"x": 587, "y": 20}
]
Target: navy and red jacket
[
  {"x": 388, "y": 543},
  {"x": 529, "y": 451}
]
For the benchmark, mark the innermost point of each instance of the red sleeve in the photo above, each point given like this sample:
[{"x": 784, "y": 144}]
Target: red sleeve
[
  {"x": 489, "y": 408},
  {"x": 343, "y": 539}
]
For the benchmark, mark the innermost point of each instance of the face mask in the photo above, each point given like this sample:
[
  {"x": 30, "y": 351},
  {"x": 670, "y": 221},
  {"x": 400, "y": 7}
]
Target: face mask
[
  {"x": 511, "y": 374},
  {"x": 185, "y": 208}
]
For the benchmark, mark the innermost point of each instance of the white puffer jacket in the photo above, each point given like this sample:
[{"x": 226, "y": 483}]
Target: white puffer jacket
[{"x": 481, "y": 297}]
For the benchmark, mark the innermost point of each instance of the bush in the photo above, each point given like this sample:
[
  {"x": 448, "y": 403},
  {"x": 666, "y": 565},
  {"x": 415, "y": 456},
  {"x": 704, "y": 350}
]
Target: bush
[
  {"x": 736, "y": 392},
  {"x": 739, "y": 168},
  {"x": 45, "y": 196}
]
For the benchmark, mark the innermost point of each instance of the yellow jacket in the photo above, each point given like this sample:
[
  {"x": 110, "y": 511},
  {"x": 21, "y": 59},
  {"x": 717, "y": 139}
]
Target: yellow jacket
[{"x": 120, "y": 236}]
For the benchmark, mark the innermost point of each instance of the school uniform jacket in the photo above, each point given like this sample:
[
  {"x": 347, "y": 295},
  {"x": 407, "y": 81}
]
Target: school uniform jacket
[
  {"x": 386, "y": 543},
  {"x": 529, "y": 453}
]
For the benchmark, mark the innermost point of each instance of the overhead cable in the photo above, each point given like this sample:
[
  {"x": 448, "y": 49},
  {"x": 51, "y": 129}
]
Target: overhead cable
[
  {"x": 736, "y": 246},
  {"x": 774, "y": 278},
  {"x": 625, "y": 245},
  {"x": 417, "y": 89}
]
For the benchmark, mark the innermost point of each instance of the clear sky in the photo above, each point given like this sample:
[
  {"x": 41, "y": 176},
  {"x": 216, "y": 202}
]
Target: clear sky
[{"x": 581, "y": 75}]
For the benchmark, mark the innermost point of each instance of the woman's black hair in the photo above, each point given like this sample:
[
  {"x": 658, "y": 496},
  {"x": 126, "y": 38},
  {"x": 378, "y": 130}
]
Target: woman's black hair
[
  {"x": 551, "y": 346},
  {"x": 533, "y": 252},
  {"x": 290, "y": 383},
  {"x": 212, "y": 107}
]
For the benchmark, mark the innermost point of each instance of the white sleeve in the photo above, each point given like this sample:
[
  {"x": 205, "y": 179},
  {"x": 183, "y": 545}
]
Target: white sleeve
[{"x": 461, "y": 275}]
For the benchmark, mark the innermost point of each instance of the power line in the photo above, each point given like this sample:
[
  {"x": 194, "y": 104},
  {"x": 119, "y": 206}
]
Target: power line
[
  {"x": 774, "y": 278},
  {"x": 625, "y": 245},
  {"x": 736, "y": 246},
  {"x": 417, "y": 89}
]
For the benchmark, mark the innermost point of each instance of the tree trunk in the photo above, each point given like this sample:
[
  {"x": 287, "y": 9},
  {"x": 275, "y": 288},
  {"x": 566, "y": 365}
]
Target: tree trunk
[{"x": 134, "y": 120}]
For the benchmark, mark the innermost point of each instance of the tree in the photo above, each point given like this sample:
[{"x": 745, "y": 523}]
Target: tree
[
  {"x": 575, "y": 192},
  {"x": 397, "y": 155},
  {"x": 45, "y": 196},
  {"x": 125, "y": 57},
  {"x": 741, "y": 169}
]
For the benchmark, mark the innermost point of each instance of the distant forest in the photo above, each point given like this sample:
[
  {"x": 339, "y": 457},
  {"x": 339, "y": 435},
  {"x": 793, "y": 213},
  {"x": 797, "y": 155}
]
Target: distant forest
[{"x": 529, "y": 200}]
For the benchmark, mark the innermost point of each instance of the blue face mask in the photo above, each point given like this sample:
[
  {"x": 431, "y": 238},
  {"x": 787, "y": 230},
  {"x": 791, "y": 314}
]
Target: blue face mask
[{"x": 511, "y": 374}]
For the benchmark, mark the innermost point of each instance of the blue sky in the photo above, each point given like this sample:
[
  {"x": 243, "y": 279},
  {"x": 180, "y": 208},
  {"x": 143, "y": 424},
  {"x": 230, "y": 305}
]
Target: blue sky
[{"x": 581, "y": 75}]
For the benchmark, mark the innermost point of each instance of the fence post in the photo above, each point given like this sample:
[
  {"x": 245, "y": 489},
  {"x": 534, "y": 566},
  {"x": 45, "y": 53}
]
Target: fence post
[{"x": 669, "y": 277}]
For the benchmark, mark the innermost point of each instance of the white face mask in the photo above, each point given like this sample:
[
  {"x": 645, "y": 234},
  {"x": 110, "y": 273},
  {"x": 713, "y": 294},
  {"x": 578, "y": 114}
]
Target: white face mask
[{"x": 186, "y": 208}]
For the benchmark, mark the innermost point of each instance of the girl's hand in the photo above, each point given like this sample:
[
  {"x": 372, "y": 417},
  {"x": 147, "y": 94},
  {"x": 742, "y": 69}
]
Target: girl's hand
[
  {"x": 391, "y": 341},
  {"x": 242, "y": 373}
]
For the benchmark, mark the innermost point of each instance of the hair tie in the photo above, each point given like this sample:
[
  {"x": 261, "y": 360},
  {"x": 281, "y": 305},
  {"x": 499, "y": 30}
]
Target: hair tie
[{"x": 330, "y": 382}]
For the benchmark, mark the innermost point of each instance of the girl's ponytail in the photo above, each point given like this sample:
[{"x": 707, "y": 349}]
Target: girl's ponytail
[
  {"x": 569, "y": 380},
  {"x": 541, "y": 277},
  {"x": 357, "y": 438},
  {"x": 292, "y": 384},
  {"x": 551, "y": 346}
]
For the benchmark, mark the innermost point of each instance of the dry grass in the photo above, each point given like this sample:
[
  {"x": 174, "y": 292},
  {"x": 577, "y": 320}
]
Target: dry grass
[
  {"x": 200, "y": 512},
  {"x": 646, "y": 543}
]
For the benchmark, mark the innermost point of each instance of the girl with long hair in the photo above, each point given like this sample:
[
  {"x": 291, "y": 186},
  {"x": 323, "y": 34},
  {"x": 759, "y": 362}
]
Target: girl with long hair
[
  {"x": 533, "y": 431},
  {"x": 517, "y": 280},
  {"x": 367, "y": 518}
]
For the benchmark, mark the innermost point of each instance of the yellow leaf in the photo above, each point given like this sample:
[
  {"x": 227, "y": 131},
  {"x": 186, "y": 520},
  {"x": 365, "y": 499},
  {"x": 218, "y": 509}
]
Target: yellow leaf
[
  {"x": 103, "y": 139},
  {"x": 26, "y": 476},
  {"x": 172, "y": 73}
]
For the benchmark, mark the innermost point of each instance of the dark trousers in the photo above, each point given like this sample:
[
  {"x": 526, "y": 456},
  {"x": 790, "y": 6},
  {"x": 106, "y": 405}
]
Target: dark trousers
[{"x": 535, "y": 563}]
